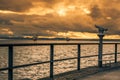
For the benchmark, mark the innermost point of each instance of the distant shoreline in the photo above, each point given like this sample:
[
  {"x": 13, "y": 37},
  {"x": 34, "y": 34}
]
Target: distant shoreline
[{"x": 61, "y": 39}]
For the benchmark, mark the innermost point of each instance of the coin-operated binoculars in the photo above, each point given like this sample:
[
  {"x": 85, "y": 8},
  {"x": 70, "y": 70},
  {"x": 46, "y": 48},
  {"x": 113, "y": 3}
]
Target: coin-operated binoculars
[
  {"x": 101, "y": 30},
  {"x": 100, "y": 35}
]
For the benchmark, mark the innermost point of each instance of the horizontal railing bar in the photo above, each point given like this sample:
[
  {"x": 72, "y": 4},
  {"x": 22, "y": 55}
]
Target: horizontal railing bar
[
  {"x": 108, "y": 54},
  {"x": 118, "y": 53},
  {"x": 3, "y": 69},
  {"x": 25, "y": 65},
  {"x": 65, "y": 59},
  {"x": 32, "y": 44},
  {"x": 88, "y": 56},
  {"x": 96, "y": 55}
]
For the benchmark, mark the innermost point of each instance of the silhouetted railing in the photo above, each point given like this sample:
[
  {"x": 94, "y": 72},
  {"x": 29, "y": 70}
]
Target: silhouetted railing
[{"x": 10, "y": 56}]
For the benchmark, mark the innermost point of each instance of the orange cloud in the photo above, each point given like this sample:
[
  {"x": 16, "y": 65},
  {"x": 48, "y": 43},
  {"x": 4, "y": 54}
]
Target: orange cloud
[{"x": 56, "y": 17}]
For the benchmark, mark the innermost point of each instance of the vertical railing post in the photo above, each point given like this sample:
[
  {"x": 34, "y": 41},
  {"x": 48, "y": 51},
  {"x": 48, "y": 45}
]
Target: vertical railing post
[
  {"x": 51, "y": 61},
  {"x": 115, "y": 53},
  {"x": 79, "y": 55},
  {"x": 10, "y": 63}
]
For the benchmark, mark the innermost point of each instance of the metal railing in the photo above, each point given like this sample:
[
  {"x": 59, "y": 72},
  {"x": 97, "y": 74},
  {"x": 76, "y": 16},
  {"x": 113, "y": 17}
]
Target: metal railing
[{"x": 10, "y": 56}]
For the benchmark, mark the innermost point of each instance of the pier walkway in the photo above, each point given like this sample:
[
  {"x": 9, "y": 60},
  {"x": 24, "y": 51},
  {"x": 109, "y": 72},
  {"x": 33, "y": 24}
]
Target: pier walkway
[
  {"x": 108, "y": 75},
  {"x": 91, "y": 73}
]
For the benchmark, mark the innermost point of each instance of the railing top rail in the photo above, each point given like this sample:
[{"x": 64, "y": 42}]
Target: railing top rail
[{"x": 55, "y": 43}]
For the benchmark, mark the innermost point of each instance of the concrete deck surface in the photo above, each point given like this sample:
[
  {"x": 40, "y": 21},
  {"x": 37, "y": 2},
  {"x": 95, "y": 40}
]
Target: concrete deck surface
[{"x": 107, "y": 75}]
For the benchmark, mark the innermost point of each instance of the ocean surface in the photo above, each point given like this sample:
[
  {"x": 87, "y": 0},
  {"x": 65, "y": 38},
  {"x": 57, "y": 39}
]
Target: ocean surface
[{"x": 32, "y": 54}]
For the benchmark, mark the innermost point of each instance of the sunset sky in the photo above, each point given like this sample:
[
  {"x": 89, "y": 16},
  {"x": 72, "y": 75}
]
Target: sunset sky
[{"x": 59, "y": 18}]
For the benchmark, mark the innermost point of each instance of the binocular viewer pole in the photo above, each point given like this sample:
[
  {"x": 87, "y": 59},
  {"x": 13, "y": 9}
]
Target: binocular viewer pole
[{"x": 101, "y": 34}]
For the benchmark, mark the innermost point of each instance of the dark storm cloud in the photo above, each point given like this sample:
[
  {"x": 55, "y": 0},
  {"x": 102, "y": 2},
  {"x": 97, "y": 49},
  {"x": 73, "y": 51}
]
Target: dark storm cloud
[
  {"x": 15, "y": 5},
  {"x": 49, "y": 1},
  {"x": 23, "y": 24},
  {"x": 40, "y": 24},
  {"x": 96, "y": 12},
  {"x": 106, "y": 15}
]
